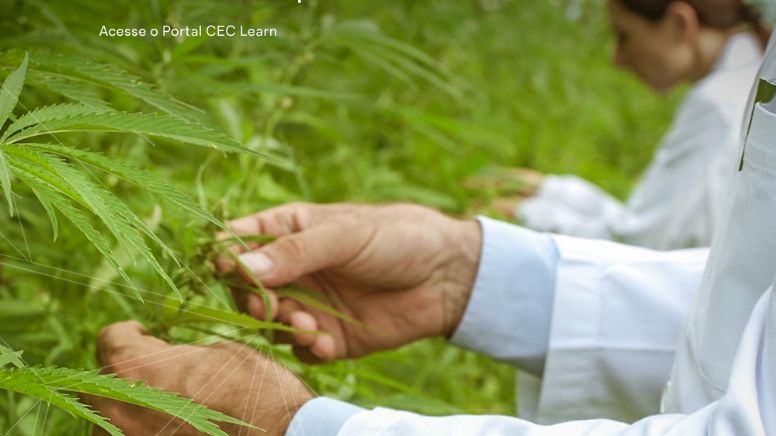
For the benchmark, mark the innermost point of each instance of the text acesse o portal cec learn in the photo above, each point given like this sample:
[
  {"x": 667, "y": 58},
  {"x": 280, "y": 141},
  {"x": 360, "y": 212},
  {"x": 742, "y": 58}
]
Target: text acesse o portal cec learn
[{"x": 212, "y": 30}]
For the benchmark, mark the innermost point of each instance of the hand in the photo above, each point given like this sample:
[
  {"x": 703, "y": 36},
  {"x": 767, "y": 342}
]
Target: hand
[
  {"x": 403, "y": 272},
  {"x": 522, "y": 182},
  {"x": 507, "y": 206},
  {"x": 508, "y": 188},
  {"x": 228, "y": 377}
]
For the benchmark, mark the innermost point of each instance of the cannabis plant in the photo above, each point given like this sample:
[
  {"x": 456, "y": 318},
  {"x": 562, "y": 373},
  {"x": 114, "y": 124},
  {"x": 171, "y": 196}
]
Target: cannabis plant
[{"x": 31, "y": 154}]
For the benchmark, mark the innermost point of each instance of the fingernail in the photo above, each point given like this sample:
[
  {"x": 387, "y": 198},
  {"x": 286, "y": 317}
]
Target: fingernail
[{"x": 258, "y": 262}]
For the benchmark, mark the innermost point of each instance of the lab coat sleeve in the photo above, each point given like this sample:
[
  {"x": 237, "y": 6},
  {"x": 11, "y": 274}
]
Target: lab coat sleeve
[
  {"x": 617, "y": 317},
  {"x": 747, "y": 408},
  {"x": 600, "y": 320},
  {"x": 509, "y": 311},
  {"x": 674, "y": 205},
  {"x": 321, "y": 416}
]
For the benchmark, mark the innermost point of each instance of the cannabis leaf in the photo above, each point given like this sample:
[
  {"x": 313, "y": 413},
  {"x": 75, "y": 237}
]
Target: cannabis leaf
[
  {"x": 8, "y": 355},
  {"x": 9, "y": 95},
  {"x": 61, "y": 188},
  {"x": 68, "y": 118},
  {"x": 70, "y": 73},
  {"x": 53, "y": 385}
]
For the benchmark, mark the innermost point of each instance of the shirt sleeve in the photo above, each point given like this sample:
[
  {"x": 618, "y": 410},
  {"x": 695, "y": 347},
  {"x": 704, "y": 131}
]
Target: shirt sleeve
[
  {"x": 746, "y": 409},
  {"x": 509, "y": 311},
  {"x": 599, "y": 321},
  {"x": 676, "y": 202},
  {"x": 617, "y": 317},
  {"x": 321, "y": 416}
]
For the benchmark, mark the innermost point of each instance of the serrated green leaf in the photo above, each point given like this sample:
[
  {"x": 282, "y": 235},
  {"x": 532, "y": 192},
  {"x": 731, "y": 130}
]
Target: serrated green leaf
[
  {"x": 41, "y": 168},
  {"x": 8, "y": 355},
  {"x": 151, "y": 124},
  {"x": 50, "y": 212},
  {"x": 44, "y": 190},
  {"x": 75, "y": 66},
  {"x": 44, "y": 114},
  {"x": 12, "y": 87},
  {"x": 117, "y": 217},
  {"x": 140, "y": 394},
  {"x": 9, "y": 96},
  {"x": 103, "y": 274},
  {"x": 74, "y": 89},
  {"x": 24, "y": 381},
  {"x": 143, "y": 179},
  {"x": 125, "y": 225},
  {"x": 5, "y": 180}
]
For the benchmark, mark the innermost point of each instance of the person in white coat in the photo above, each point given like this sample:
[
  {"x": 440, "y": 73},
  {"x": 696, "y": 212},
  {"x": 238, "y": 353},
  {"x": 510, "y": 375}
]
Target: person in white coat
[
  {"x": 677, "y": 202},
  {"x": 609, "y": 326}
]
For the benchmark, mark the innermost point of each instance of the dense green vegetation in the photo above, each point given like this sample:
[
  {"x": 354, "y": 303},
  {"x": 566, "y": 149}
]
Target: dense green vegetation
[{"x": 110, "y": 199}]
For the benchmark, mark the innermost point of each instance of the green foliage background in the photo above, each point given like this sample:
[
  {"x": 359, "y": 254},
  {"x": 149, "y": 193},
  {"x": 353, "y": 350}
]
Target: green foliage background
[{"x": 363, "y": 101}]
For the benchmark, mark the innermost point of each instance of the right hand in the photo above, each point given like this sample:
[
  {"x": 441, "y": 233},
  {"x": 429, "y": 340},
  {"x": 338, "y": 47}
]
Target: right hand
[
  {"x": 227, "y": 377},
  {"x": 403, "y": 272}
]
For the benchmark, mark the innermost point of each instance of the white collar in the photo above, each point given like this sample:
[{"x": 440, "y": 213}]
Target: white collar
[{"x": 741, "y": 50}]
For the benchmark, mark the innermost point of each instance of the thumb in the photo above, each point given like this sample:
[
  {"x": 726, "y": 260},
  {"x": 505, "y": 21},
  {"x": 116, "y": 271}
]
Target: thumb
[{"x": 290, "y": 257}]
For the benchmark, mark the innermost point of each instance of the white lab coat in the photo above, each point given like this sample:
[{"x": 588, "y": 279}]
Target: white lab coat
[
  {"x": 618, "y": 311},
  {"x": 678, "y": 200}
]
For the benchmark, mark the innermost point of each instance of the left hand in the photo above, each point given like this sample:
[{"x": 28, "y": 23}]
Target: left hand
[
  {"x": 510, "y": 186},
  {"x": 228, "y": 377},
  {"x": 522, "y": 182}
]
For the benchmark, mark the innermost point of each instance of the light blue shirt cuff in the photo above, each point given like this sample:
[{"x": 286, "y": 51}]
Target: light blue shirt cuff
[
  {"x": 509, "y": 312},
  {"x": 321, "y": 417}
]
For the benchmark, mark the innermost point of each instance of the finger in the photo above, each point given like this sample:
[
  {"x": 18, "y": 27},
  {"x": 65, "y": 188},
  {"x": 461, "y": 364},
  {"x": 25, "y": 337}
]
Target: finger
[
  {"x": 240, "y": 291},
  {"x": 303, "y": 321},
  {"x": 119, "y": 332},
  {"x": 225, "y": 263},
  {"x": 507, "y": 205},
  {"x": 325, "y": 348},
  {"x": 532, "y": 179},
  {"x": 288, "y": 218},
  {"x": 321, "y": 347},
  {"x": 334, "y": 242},
  {"x": 285, "y": 309},
  {"x": 255, "y": 306},
  {"x": 115, "y": 336},
  {"x": 277, "y": 221}
]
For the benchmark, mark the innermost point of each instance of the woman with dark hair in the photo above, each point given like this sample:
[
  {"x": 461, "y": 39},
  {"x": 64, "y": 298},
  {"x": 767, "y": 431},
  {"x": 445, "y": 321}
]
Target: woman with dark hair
[{"x": 716, "y": 45}]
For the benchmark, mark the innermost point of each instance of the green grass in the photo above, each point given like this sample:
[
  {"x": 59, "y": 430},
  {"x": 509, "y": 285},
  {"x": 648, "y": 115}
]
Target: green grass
[{"x": 397, "y": 101}]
